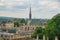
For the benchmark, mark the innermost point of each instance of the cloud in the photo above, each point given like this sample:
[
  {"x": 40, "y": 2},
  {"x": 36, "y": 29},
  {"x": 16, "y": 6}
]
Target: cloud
[
  {"x": 54, "y": 5},
  {"x": 41, "y": 15},
  {"x": 23, "y": 14},
  {"x": 2, "y": 0},
  {"x": 43, "y": 2},
  {"x": 1, "y": 4},
  {"x": 20, "y": 8}
]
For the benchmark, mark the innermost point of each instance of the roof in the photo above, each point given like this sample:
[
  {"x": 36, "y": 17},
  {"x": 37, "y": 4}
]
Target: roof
[
  {"x": 26, "y": 32},
  {"x": 38, "y": 22}
]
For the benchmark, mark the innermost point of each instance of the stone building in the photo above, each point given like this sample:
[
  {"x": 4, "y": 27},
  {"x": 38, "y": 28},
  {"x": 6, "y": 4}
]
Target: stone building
[
  {"x": 9, "y": 25},
  {"x": 11, "y": 36}
]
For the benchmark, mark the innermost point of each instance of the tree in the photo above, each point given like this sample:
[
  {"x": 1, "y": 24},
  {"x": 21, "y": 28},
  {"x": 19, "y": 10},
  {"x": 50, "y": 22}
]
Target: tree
[
  {"x": 16, "y": 24},
  {"x": 56, "y": 20},
  {"x": 53, "y": 27},
  {"x": 22, "y": 21},
  {"x": 3, "y": 22},
  {"x": 38, "y": 32}
]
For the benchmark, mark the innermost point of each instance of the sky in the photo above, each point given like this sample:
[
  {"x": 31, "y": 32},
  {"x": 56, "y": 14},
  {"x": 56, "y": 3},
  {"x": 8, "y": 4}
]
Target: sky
[{"x": 20, "y": 8}]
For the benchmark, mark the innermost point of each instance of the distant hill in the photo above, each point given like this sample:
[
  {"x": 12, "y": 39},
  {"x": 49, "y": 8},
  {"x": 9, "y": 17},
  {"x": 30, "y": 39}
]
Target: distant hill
[
  {"x": 2, "y": 18},
  {"x": 6, "y": 18}
]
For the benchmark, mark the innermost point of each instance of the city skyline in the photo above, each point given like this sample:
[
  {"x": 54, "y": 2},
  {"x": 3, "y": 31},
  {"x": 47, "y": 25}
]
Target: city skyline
[{"x": 20, "y": 8}]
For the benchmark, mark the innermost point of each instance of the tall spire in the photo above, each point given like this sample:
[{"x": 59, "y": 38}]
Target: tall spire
[{"x": 30, "y": 15}]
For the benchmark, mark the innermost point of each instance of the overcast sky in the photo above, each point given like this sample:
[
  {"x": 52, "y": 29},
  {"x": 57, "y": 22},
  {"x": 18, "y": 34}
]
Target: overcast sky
[{"x": 20, "y": 8}]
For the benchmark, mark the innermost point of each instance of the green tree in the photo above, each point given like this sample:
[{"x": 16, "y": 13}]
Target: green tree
[
  {"x": 16, "y": 24},
  {"x": 3, "y": 22},
  {"x": 22, "y": 21},
  {"x": 53, "y": 27},
  {"x": 38, "y": 31}
]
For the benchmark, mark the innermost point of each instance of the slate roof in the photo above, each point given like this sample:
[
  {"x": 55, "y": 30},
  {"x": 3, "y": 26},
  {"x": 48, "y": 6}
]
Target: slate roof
[{"x": 38, "y": 22}]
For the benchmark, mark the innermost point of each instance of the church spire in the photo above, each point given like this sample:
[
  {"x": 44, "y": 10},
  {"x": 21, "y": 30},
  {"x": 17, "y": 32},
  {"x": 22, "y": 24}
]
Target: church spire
[{"x": 30, "y": 15}]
